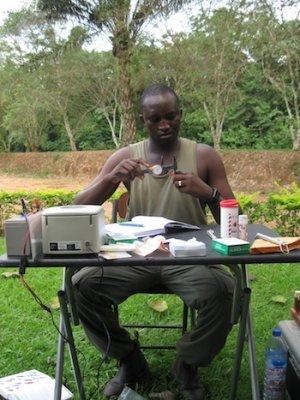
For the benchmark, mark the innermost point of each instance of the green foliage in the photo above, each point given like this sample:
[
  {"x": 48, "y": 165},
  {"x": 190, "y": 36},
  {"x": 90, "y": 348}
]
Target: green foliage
[
  {"x": 280, "y": 210},
  {"x": 236, "y": 74},
  {"x": 10, "y": 202},
  {"x": 256, "y": 118},
  {"x": 284, "y": 208},
  {"x": 251, "y": 206}
]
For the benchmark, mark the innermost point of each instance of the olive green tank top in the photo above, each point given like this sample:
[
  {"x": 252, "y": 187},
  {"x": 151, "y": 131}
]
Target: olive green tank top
[{"x": 158, "y": 196}]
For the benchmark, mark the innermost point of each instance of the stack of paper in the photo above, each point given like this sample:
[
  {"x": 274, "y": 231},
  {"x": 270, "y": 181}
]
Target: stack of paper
[
  {"x": 33, "y": 385},
  {"x": 143, "y": 226},
  {"x": 187, "y": 248},
  {"x": 139, "y": 226}
]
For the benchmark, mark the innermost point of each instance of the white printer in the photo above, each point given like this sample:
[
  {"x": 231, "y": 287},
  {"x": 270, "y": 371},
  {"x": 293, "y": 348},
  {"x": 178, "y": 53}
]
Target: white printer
[{"x": 73, "y": 229}]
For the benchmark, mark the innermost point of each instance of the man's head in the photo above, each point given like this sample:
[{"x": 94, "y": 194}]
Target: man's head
[{"x": 161, "y": 114}]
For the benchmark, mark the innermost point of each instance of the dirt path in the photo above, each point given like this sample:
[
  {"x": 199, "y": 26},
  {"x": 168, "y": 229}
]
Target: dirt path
[
  {"x": 12, "y": 183},
  {"x": 9, "y": 183},
  {"x": 247, "y": 171}
]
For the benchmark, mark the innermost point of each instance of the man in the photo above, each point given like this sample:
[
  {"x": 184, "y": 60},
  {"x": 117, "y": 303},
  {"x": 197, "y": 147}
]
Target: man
[
  {"x": 181, "y": 196},
  {"x": 295, "y": 316}
]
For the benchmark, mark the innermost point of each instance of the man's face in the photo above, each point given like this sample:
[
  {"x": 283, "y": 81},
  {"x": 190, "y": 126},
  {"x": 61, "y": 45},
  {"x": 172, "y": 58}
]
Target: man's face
[{"x": 161, "y": 116}]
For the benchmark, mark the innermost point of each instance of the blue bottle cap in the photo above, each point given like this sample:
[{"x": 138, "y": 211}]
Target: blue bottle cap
[{"x": 276, "y": 332}]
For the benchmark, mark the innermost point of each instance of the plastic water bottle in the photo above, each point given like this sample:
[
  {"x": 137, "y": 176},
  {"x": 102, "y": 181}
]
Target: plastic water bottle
[
  {"x": 129, "y": 394},
  {"x": 275, "y": 367}
]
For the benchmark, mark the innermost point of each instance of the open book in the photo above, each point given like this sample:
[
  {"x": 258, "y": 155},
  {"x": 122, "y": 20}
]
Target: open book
[{"x": 143, "y": 226}]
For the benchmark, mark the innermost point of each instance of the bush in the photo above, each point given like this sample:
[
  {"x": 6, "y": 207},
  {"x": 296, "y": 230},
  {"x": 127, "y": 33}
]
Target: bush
[
  {"x": 10, "y": 202},
  {"x": 284, "y": 208},
  {"x": 280, "y": 210}
]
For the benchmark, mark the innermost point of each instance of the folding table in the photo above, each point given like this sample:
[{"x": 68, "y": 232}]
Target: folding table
[{"x": 241, "y": 300}]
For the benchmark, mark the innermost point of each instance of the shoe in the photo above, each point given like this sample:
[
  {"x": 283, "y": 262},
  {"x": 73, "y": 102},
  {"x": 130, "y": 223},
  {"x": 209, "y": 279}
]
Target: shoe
[
  {"x": 133, "y": 369},
  {"x": 189, "y": 384}
]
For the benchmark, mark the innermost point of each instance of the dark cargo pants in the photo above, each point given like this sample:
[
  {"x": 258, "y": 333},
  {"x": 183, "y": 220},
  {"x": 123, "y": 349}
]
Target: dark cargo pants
[{"x": 208, "y": 289}]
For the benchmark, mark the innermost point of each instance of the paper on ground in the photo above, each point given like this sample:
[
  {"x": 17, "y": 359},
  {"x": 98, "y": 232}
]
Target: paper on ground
[{"x": 30, "y": 385}]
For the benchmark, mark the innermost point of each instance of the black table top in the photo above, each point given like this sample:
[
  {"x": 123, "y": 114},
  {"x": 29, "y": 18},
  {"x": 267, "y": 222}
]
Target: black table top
[{"x": 159, "y": 258}]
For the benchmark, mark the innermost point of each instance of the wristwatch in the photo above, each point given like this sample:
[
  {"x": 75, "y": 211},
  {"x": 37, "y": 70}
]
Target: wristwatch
[{"x": 214, "y": 197}]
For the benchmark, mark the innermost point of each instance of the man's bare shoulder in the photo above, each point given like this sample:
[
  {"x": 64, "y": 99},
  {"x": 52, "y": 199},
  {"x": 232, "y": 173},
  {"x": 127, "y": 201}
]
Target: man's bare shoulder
[
  {"x": 206, "y": 150},
  {"x": 120, "y": 154}
]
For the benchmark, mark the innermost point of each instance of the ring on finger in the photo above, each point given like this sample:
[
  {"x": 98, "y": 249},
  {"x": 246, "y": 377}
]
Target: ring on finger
[{"x": 179, "y": 183}]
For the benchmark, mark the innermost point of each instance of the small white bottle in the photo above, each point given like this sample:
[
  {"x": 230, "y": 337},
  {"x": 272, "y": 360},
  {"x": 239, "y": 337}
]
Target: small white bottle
[{"x": 243, "y": 227}]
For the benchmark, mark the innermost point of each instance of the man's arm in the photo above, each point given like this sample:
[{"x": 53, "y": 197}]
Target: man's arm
[
  {"x": 118, "y": 168},
  {"x": 296, "y": 316},
  {"x": 216, "y": 178},
  {"x": 211, "y": 174}
]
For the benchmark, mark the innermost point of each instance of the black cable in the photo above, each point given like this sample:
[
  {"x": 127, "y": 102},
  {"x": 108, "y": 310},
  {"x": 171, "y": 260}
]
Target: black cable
[
  {"x": 49, "y": 311},
  {"x": 23, "y": 265}
]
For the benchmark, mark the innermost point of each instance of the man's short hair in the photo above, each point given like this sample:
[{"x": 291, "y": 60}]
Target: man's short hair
[{"x": 157, "y": 88}]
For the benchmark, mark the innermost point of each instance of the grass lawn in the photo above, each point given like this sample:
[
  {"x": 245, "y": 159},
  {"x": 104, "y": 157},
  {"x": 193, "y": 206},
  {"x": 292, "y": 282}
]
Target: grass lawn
[{"x": 28, "y": 336}]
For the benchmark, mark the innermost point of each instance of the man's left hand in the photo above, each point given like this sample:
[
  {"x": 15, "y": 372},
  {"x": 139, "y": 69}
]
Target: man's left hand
[{"x": 191, "y": 184}]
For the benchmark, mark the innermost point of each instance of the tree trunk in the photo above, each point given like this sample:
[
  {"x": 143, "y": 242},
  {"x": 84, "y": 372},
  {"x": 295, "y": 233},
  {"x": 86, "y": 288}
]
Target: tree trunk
[
  {"x": 296, "y": 141},
  {"x": 127, "y": 103},
  {"x": 69, "y": 133}
]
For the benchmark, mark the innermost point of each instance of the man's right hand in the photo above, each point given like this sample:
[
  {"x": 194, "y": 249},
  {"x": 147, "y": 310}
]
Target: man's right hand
[{"x": 127, "y": 170}]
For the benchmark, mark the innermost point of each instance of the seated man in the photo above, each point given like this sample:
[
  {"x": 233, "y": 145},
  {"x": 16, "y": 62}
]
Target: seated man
[
  {"x": 200, "y": 180},
  {"x": 295, "y": 316}
]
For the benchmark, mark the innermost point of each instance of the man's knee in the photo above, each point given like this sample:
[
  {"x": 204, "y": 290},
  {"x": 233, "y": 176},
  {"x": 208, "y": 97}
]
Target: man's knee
[{"x": 89, "y": 296}]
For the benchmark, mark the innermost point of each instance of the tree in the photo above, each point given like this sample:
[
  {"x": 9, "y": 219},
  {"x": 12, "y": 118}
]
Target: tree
[
  {"x": 26, "y": 114},
  {"x": 56, "y": 65},
  {"x": 123, "y": 22},
  {"x": 103, "y": 92},
  {"x": 66, "y": 83},
  {"x": 215, "y": 61},
  {"x": 276, "y": 47}
]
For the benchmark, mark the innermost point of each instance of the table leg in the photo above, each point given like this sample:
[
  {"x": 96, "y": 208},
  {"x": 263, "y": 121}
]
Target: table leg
[
  {"x": 240, "y": 343},
  {"x": 68, "y": 337},
  {"x": 59, "y": 361},
  {"x": 251, "y": 350},
  {"x": 252, "y": 359}
]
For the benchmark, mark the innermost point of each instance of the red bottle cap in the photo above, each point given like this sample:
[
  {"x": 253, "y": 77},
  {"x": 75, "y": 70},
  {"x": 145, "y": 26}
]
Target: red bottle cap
[{"x": 230, "y": 203}]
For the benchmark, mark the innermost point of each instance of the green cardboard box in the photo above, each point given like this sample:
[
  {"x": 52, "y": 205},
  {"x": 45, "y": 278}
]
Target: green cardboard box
[{"x": 230, "y": 246}]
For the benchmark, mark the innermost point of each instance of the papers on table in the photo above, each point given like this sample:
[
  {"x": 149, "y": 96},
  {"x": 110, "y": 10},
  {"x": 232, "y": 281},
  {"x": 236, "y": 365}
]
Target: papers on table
[
  {"x": 138, "y": 227},
  {"x": 150, "y": 229},
  {"x": 140, "y": 247},
  {"x": 143, "y": 226}
]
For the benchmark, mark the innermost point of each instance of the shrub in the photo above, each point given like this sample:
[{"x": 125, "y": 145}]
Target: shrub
[
  {"x": 284, "y": 208},
  {"x": 280, "y": 210},
  {"x": 10, "y": 202}
]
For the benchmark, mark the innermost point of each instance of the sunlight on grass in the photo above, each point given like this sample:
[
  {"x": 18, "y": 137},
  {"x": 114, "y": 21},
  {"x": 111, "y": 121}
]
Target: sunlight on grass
[{"x": 28, "y": 337}]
